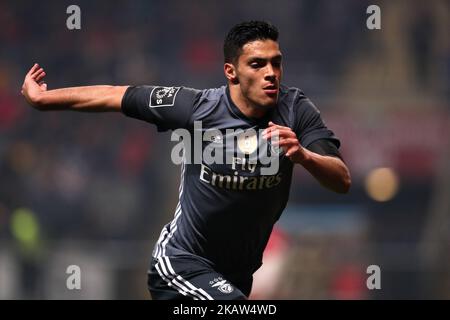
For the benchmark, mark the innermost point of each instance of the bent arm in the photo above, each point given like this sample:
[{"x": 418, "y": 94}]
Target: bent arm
[
  {"x": 330, "y": 171},
  {"x": 90, "y": 99}
]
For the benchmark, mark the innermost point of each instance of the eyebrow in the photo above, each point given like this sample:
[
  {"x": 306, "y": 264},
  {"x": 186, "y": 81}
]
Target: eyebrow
[{"x": 258, "y": 58}]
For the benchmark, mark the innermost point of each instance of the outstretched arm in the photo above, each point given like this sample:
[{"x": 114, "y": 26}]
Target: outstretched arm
[
  {"x": 91, "y": 98},
  {"x": 330, "y": 171}
]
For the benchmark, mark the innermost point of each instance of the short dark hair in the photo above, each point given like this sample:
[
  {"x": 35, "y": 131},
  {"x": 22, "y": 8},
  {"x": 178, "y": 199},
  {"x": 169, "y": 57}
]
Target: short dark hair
[{"x": 245, "y": 32}]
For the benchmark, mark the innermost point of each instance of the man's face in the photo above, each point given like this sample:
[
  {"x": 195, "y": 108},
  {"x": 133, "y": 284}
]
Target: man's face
[{"x": 259, "y": 71}]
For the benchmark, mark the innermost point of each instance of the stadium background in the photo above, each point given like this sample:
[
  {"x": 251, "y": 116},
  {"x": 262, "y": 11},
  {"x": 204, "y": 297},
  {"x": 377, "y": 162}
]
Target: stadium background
[{"x": 94, "y": 190}]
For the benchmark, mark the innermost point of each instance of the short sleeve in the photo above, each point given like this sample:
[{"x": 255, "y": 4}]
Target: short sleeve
[
  {"x": 309, "y": 124},
  {"x": 168, "y": 108}
]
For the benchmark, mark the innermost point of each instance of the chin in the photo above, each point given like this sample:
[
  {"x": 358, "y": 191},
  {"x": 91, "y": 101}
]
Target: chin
[{"x": 270, "y": 103}]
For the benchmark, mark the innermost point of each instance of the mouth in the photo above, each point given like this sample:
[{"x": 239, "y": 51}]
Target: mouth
[{"x": 271, "y": 90}]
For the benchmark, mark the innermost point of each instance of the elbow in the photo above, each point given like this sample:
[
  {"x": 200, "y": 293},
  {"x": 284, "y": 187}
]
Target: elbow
[
  {"x": 346, "y": 183},
  {"x": 343, "y": 184}
]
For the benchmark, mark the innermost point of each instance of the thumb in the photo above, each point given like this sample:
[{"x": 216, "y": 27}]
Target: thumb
[{"x": 43, "y": 86}]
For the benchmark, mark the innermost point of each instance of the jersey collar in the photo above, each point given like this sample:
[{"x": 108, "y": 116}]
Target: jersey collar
[{"x": 262, "y": 122}]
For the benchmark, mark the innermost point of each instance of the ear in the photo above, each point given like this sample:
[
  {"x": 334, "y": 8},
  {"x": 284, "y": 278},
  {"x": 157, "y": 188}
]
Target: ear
[{"x": 230, "y": 73}]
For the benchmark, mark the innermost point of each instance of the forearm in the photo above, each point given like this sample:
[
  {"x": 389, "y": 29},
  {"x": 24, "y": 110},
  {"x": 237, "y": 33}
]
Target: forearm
[
  {"x": 88, "y": 99},
  {"x": 331, "y": 172}
]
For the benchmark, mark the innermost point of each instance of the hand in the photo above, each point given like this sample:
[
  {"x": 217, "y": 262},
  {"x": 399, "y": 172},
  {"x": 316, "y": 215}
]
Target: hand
[
  {"x": 33, "y": 86},
  {"x": 287, "y": 139}
]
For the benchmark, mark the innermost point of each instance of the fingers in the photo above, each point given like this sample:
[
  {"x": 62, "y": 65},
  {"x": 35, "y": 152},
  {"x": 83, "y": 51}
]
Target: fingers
[
  {"x": 33, "y": 69},
  {"x": 287, "y": 139},
  {"x": 33, "y": 79},
  {"x": 40, "y": 76},
  {"x": 285, "y": 142},
  {"x": 290, "y": 146},
  {"x": 37, "y": 74},
  {"x": 282, "y": 132},
  {"x": 272, "y": 126}
]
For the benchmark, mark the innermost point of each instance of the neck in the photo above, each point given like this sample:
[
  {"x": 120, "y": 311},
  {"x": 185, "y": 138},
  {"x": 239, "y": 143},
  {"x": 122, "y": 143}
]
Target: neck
[{"x": 247, "y": 107}]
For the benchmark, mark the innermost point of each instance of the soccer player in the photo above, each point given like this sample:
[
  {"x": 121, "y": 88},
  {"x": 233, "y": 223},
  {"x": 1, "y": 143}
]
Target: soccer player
[{"x": 226, "y": 211}]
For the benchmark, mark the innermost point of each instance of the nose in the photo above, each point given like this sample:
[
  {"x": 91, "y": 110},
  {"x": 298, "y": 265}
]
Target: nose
[{"x": 270, "y": 73}]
